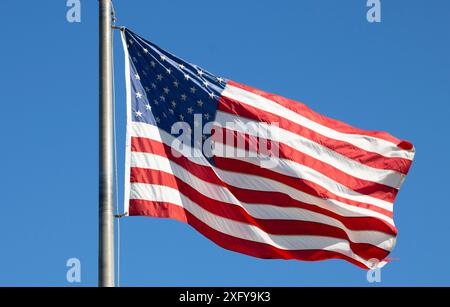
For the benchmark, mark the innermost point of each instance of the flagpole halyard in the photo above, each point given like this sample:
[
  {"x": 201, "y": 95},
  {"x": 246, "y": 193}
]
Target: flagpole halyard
[
  {"x": 106, "y": 181},
  {"x": 121, "y": 28}
]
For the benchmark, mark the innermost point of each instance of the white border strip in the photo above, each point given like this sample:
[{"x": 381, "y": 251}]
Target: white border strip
[{"x": 126, "y": 192}]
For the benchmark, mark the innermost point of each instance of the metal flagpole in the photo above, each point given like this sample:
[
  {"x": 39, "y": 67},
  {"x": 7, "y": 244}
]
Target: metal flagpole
[{"x": 106, "y": 196}]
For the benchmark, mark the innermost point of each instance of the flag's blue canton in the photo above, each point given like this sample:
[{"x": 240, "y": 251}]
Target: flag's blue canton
[{"x": 166, "y": 89}]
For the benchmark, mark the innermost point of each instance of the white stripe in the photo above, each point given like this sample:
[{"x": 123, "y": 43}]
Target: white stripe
[
  {"x": 260, "y": 211},
  {"x": 300, "y": 171},
  {"x": 153, "y": 133},
  {"x": 354, "y": 168},
  {"x": 242, "y": 230},
  {"x": 258, "y": 183},
  {"x": 368, "y": 143}
]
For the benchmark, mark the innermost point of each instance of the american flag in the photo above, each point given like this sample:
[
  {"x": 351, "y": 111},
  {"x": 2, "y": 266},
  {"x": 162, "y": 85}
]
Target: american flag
[{"x": 254, "y": 172}]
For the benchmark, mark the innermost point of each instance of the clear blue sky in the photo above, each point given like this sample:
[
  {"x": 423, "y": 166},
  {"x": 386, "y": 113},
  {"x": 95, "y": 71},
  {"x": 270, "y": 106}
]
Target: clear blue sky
[{"x": 393, "y": 76}]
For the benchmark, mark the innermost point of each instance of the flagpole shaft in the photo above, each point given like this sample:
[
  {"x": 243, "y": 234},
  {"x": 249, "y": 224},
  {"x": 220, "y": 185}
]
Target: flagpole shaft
[{"x": 106, "y": 196}]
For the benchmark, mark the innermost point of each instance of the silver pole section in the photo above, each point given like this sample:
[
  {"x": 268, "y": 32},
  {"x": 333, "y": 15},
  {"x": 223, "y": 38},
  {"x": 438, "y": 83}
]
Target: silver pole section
[{"x": 106, "y": 212}]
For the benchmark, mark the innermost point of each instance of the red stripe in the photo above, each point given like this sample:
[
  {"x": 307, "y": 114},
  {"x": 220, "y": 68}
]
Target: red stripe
[
  {"x": 303, "y": 110},
  {"x": 346, "y": 149},
  {"x": 236, "y": 213},
  {"x": 251, "y": 248},
  {"x": 260, "y": 197},
  {"x": 298, "y": 184},
  {"x": 305, "y": 186},
  {"x": 361, "y": 186}
]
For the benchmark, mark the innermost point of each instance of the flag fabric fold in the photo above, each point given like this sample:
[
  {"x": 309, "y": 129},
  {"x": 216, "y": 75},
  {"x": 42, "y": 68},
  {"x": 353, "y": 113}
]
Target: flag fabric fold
[{"x": 254, "y": 172}]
